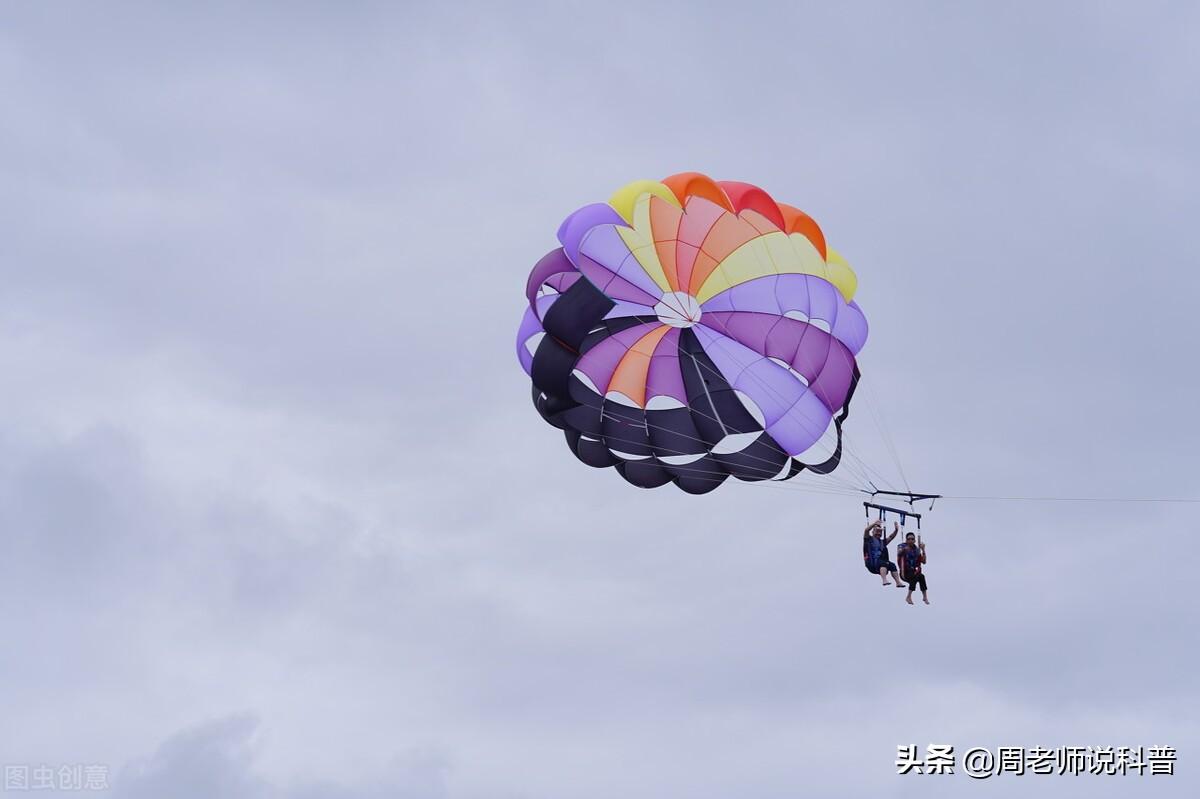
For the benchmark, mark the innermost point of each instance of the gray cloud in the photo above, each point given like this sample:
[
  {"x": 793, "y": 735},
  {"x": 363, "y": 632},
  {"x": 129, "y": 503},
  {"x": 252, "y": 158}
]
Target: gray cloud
[
  {"x": 267, "y": 457},
  {"x": 217, "y": 759}
]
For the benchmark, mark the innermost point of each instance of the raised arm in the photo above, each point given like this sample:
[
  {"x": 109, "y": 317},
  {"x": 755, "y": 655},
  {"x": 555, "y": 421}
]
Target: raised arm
[
  {"x": 895, "y": 532},
  {"x": 870, "y": 527}
]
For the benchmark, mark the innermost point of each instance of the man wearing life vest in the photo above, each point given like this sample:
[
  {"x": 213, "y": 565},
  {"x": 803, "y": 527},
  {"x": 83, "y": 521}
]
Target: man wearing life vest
[
  {"x": 875, "y": 553},
  {"x": 911, "y": 555}
]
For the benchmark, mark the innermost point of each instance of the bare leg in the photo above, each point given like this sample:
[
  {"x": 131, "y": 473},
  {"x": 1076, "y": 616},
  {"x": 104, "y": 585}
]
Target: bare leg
[
  {"x": 897, "y": 579},
  {"x": 908, "y": 598},
  {"x": 883, "y": 575},
  {"x": 925, "y": 597}
]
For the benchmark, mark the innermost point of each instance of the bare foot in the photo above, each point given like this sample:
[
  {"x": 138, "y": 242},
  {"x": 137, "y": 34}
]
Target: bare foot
[{"x": 908, "y": 599}]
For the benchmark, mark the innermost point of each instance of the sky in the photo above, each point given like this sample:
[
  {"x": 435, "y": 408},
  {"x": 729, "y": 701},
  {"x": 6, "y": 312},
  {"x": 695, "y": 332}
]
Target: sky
[{"x": 278, "y": 519}]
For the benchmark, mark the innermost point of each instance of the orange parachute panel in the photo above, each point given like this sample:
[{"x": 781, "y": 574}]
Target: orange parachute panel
[
  {"x": 744, "y": 195},
  {"x": 694, "y": 184},
  {"x": 796, "y": 221}
]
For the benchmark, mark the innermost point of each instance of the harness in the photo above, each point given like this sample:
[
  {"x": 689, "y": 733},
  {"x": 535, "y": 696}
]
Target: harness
[
  {"x": 910, "y": 560},
  {"x": 872, "y": 564}
]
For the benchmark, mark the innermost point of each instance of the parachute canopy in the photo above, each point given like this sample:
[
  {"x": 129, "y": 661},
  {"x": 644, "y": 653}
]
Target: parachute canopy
[{"x": 689, "y": 330}]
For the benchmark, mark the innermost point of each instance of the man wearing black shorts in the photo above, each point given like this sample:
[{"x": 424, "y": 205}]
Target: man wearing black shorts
[
  {"x": 911, "y": 555},
  {"x": 875, "y": 553}
]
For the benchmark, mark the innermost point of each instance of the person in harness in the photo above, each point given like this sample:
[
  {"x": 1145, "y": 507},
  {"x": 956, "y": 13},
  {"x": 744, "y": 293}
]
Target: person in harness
[
  {"x": 911, "y": 555},
  {"x": 875, "y": 553}
]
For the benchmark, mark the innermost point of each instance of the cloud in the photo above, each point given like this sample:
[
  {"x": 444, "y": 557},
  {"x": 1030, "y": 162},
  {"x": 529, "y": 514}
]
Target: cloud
[
  {"x": 217, "y": 758},
  {"x": 267, "y": 457}
]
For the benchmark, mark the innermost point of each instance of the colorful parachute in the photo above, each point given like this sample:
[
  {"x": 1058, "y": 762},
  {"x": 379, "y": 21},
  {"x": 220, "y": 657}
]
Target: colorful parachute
[{"x": 690, "y": 330}]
